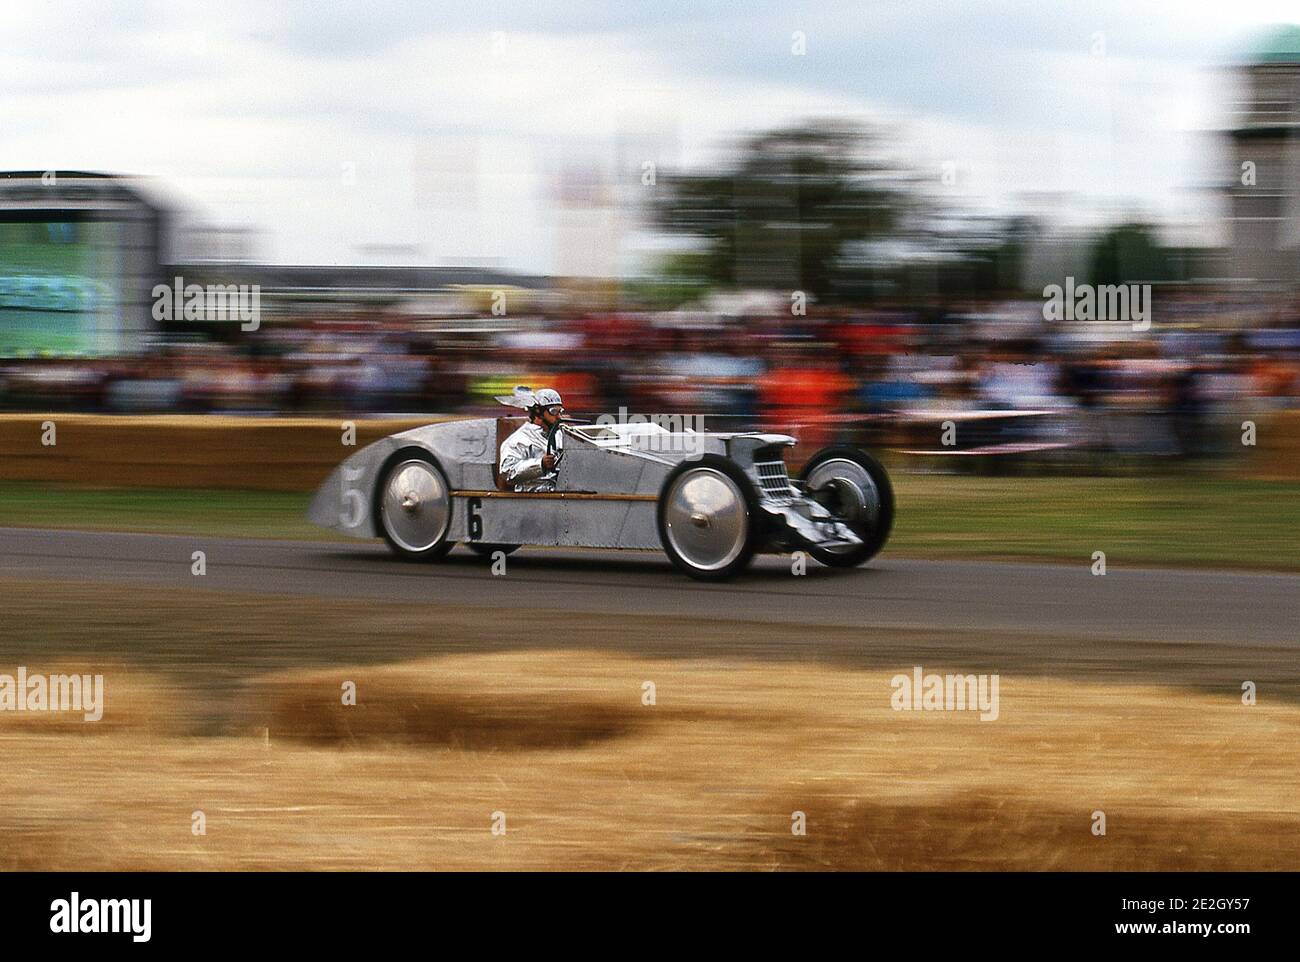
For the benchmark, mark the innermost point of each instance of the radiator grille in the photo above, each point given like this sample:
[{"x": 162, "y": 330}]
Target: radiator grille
[{"x": 773, "y": 480}]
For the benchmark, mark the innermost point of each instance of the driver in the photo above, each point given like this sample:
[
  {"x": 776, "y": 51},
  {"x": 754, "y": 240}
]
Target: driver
[{"x": 525, "y": 463}]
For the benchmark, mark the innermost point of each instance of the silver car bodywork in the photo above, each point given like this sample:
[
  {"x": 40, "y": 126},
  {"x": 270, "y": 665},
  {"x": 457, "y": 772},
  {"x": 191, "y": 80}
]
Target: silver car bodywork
[{"x": 607, "y": 490}]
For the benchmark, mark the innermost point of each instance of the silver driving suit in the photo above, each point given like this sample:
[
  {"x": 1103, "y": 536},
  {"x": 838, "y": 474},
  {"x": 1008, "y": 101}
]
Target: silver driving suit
[{"x": 521, "y": 459}]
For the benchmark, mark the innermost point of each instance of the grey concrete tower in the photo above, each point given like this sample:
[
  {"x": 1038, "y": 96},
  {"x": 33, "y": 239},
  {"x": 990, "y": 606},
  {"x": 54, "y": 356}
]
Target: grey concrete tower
[{"x": 1264, "y": 196}]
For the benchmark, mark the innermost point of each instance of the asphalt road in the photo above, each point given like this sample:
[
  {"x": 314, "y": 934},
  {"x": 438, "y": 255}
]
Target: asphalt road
[{"x": 890, "y": 594}]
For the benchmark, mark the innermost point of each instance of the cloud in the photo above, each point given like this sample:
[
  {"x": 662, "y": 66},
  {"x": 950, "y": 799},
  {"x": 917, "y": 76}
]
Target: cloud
[{"x": 320, "y": 125}]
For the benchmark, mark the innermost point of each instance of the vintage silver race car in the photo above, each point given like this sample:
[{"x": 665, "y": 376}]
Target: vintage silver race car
[{"x": 709, "y": 500}]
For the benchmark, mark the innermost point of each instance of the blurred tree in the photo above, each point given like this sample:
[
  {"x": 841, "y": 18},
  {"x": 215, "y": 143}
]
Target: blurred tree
[
  {"x": 995, "y": 265},
  {"x": 678, "y": 279},
  {"x": 1130, "y": 253},
  {"x": 790, "y": 208}
]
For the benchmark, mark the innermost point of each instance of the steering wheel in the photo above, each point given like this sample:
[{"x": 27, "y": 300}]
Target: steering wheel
[{"x": 551, "y": 447}]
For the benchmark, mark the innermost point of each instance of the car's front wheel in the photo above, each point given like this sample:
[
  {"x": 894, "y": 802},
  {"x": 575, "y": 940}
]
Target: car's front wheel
[
  {"x": 708, "y": 518},
  {"x": 413, "y": 506},
  {"x": 855, "y": 487}
]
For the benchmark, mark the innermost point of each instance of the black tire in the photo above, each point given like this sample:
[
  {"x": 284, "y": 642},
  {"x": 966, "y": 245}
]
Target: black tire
[
  {"x": 873, "y": 535},
  {"x": 743, "y": 542},
  {"x": 486, "y": 550},
  {"x": 440, "y": 547}
]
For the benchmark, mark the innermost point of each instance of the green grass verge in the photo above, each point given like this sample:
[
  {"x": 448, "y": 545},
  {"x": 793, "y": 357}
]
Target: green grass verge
[
  {"x": 1159, "y": 520},
  {"x": 248, "y": 514},
  {"x": 1155, "y": 520}
]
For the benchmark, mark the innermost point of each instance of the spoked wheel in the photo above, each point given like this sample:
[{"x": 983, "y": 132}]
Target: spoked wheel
[
  {"x": 413, "y": 506},
  {"x": 855, "y": 487},
  {"x": 708, "y": 518}
]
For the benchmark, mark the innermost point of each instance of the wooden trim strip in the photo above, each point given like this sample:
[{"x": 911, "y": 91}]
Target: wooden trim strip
[{"x": 555, "y": 495}]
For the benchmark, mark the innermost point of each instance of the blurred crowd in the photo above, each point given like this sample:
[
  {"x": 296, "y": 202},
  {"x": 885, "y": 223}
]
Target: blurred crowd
[{"x": 889, "y": 373}]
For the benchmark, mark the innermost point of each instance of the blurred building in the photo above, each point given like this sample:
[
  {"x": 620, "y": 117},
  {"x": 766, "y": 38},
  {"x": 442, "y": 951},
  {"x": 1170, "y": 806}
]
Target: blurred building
[
  {"x": 79, "y": 256},
  {"x": 289, "y": 293},
  {"x": 1264, "y": 199},
  {"x": 589, "y": 227}
]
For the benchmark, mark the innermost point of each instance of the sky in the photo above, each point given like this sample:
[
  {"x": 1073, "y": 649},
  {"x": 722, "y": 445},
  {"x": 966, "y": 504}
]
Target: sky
[{"x": 385, "y": 131}]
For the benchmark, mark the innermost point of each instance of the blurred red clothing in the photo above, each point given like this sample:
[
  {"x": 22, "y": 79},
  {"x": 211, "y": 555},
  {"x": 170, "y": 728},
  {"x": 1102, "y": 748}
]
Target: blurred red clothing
[
  {"x": 579, "y": 389},
  {"x": 799, "y": 400},
  {"x": 861, "y": 339}
]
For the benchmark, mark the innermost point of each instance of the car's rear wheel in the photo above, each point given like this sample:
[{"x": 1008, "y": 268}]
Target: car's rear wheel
[
  {"x": 855, "y": 487},
  {"x": 708, "y": 518},
  {"x": 413, "y": 506}
]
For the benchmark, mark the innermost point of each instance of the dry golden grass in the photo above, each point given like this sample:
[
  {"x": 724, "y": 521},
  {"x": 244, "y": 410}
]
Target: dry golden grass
[{"x": 708, "y": 777}]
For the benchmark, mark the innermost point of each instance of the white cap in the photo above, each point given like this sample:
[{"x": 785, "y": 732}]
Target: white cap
[
  {"x": 521, "y": 398},
  {"x": 525, "y": 397}
]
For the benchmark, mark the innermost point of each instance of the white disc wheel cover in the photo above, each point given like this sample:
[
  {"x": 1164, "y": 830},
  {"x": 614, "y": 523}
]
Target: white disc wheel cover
[
  {"x": 416, "y": 505},
  {"x": 706, "y": 519}
]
